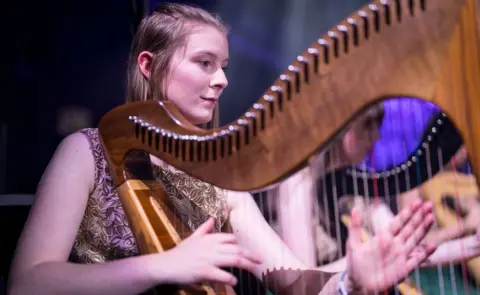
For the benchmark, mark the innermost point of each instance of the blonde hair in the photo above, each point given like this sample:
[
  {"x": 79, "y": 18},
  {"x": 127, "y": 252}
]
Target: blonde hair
[{"x": 162, "y": 33}]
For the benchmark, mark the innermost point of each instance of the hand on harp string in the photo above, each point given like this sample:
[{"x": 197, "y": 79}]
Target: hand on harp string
[
  {"x": 393, "y": 253},
  {"x": 207, "y": 254}
]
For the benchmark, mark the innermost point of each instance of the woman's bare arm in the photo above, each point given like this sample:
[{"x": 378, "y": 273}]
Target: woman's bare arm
[
  {"x": 40, "y": 265},
  {"x": 338, "y": 265},
  {"x": 253, "y": 232},
  {"x": 454, "y": 251},
  {"x": 295, "y": 201}
]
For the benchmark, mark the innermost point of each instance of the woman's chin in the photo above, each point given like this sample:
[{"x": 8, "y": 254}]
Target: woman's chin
[
  {"x": 199, "y": 117},
  {"x": 198, "y": 120}
]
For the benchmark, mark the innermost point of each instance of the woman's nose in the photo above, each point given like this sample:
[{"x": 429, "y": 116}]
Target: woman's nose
[{"x": 219, "y": 79}]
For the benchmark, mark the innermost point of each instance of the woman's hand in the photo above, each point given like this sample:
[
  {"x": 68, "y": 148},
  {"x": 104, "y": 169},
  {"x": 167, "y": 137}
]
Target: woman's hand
[
  {"x": 393, "y": 253},
  {"x": 200, "y": 257}
]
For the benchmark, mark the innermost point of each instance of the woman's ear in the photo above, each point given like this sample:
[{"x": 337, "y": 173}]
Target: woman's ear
[{"x": 145, "y": 62}]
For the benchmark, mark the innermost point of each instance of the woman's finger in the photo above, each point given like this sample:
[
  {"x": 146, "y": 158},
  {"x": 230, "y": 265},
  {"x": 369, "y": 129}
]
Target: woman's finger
[
  {"x": 238, "y": 250},
  {"x": 402, "y": 217},
  {"x": 410, "y": 227},
  {"x": 235, "y": 260},
  {"x": 355, "y": 230},
  {"x": 204, "y": 228},
  {"x": 221, "y": 238},
  {"x": 418, "y": 234},
  {"x": 218, "y": 275}
]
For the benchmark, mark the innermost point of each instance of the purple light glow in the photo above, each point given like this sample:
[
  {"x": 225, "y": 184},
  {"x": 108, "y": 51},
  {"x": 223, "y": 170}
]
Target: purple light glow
[{"x": 401, "y": 131}]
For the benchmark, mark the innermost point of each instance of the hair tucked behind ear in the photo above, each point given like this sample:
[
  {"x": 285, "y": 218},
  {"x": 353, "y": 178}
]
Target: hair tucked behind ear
[{"x": 162, "y": 33}]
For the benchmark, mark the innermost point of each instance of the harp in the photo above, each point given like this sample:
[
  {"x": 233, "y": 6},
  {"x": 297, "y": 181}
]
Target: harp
[{"x": 426, "y": 49}]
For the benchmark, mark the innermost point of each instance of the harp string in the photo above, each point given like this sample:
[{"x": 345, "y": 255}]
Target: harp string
[
  {"x": 396, "y": 189},
  {"x": 416, "y": 274},
  {"x": 457, "y": 207},
  {"x": 416, "y": 117},
  {"x": 451, "y": 271},
  {"x": 326, "y": 218},
  {"x": 450, "y": 275},
  {"x": 451, "y": 266},
  {"x": 459, "y": 213},
  {"x": 435, "y": 227},
  {"x": 335, "y": 154}
]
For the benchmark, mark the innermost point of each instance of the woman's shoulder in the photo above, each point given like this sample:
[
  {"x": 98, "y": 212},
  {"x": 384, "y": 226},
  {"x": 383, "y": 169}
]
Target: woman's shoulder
[
  {"x": 78, "y": 141},
  {"x": 81, "y": 144},
  {"x": 85, "y": 145},
  {"x": 72, "y": 159},
  {"x": 91, "y": 134}
]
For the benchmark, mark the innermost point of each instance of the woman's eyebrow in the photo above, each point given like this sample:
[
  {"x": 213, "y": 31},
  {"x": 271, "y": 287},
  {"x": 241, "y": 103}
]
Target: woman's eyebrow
[{"x": 211, "y": 54}]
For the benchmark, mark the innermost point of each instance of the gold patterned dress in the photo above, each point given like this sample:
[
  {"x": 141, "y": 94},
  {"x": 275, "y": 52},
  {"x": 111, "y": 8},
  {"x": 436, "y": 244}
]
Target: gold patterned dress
[{"x": 104, "y": 233}]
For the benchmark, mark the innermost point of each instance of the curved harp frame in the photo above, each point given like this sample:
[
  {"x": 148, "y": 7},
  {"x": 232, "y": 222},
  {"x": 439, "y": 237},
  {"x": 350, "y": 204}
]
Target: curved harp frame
[{"x": 426, "y": 49}]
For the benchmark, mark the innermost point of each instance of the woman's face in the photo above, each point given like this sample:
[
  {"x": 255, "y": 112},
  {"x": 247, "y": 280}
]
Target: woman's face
[{"x": 197, "y": 79}]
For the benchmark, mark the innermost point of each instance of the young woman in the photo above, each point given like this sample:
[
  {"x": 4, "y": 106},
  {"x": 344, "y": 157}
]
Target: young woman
[{"x": 77, "y": 240}]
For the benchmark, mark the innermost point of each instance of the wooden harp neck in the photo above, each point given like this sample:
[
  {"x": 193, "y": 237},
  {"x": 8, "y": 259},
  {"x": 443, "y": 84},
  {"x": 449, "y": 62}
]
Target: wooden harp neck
[{"x": 426, "y": 49}]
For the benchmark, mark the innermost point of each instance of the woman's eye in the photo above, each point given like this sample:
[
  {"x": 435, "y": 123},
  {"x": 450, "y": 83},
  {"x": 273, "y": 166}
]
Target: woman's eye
[{"x": 205, "y": 63}]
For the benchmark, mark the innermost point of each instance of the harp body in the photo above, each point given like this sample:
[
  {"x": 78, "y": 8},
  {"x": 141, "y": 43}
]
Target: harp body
[{"x": 426, "y": 49}]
